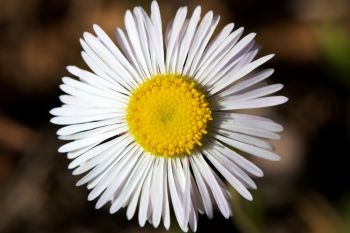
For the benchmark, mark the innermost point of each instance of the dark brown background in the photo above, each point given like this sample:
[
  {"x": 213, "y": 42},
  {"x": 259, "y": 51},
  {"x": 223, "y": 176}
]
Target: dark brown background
[{"x": 308, "y": 191}]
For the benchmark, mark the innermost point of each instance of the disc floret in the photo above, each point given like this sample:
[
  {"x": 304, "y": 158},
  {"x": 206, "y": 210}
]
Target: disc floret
[{"x": 168, "y": 115}]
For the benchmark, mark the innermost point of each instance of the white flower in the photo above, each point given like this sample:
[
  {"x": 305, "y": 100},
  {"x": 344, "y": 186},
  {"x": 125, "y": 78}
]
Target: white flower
[{"x": 156, "y": 117}]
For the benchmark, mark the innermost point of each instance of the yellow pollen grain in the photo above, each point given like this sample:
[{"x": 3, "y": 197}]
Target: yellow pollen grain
[{"x": 168, "y": 115}]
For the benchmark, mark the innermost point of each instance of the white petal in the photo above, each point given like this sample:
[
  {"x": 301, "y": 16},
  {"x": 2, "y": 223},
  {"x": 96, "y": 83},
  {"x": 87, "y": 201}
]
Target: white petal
[
  {"x": 174, "y": 34},
  {"x": 106, "y": 173},
  {"x": 116, "y": 52},
  {"x": 175, "y": 194},
  {"x": 76, "y": 128},
  {"x": 135, "y": 43},
  {"x": 157, "y": 23},
  {"x": 244, "y": 138},
  {"x": 230, "y": 78},
  {"x": 230, "y": 178},
  {"x": 259, "y": 152},
  {"x": 237, "y": 159},
  {"x": 84, "y": 119},
  {"x": 216, "y": 55},
  {"x": 188, "y": 37},
  {"x": 157, "y": 191},
  {"x": 203, "y": 189},
  {"x": 255, "y": 103},
  {"x": 248, "y": 82},
  {"x": 86, "y": 141},
  {"x": 97, "y": 81},
  {"x": 165, "y": 209},
  {"x": 256, "y": 93},
  {"x": 145, "y": 199},
  {"x": 138, "y": 173},
  {"x": 215, "y": 188},
  {"x": 117, "y": 128},
  {"x": 117, "y": 70}
]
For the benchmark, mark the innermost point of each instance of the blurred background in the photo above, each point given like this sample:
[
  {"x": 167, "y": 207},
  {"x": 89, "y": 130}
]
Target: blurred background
[{"x": 308, "y": 191}]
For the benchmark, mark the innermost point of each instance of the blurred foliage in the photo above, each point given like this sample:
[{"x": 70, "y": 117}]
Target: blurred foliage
[{"x": 334, "y": 43}]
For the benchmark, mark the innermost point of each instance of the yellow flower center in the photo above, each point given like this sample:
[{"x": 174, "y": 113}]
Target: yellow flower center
[{"x": 168, "y": 115}]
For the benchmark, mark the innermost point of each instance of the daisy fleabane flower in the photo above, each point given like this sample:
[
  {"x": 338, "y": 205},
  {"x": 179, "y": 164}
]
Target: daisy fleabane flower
[{"x": 155, "y": 125}]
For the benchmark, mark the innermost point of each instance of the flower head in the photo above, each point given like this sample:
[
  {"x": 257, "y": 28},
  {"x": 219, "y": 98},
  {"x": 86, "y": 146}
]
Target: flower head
[{"x": 157, "y": 118}]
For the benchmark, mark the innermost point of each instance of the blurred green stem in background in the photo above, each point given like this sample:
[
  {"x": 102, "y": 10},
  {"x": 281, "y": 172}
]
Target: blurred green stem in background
[
  {"x": 334, "y": 42},
  {"x": 247, "y": 216}
]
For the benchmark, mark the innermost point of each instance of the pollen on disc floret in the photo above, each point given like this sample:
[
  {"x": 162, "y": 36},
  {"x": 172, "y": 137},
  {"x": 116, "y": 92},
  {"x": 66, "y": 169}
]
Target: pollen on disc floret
[{"x": 168, "y": 115}]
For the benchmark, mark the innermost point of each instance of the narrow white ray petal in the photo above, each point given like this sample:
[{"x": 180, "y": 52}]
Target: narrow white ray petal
[
  {"x": 109, "y": 176},
  {"x": 144, "y": 39},
  {"x": 103, "y": 160},
  {"x": 180, "y": 184},
  {"x": 157, "y": 191},
  {"x": 102, "y": 171},
  {"x": 241, "y": 175},
  {"x": 94, "y": 63},
  {"x": 116, "y": 52},
  {"x": 98, "y": 64},
  {"x": 86, "y": 141},
  {"x": 230, "y": 78},
  {"x": 153, "y": 44},
  {"x": 255, "y": 103},
  {"x": 187, "y": 39},
  {"x": 215, "y": 44},
  {"x": 119, "y": 169},
  {"x": 97, "y": 81},
  {"x": 179, "y": 175},
  {"x": 76, "y": 128},
  {"x": 76, "y": 111},
  {"x": 187, "y": 203},
  {"x": 84, "y": 119},
  {"x": 246, "y": 128},
  {"x": 207, "y": 65},
  {"x": 248, "y": 82},
  {"x": 135, "y": 43},
  {"x": 203, "y": 43},
  {"x": 243, "y": 138},
  {"x": 210, "y": 179},
  {"x": 174, "y": 34},
  {"x": 100, "y": 162},
  {"x": 139, "y": 172},
  {"x": 130, "y": 212},
  {"x": 135, "y": 197},
  {"x": 165, "y": 209},
  {"x": 124, "y": 77},
  {"x": 176, "y": 50},
  {"x": 127, "y": 49},
  {"x": 236, "y": 158},
  {"x": 203, "y": 190},
  {"x": 80, "y": 102},
  {"x": 142, "y": 166},
  {"x": 145, "y": 198},
  {"x": 118, "y": 143},
  {"x": 158, "y": 33},
  {"x": 175, "y": 194},
  {"x": 196, "y": 197},
  {"x": 97, "y": 100},
  {"x": 256, "y": 93},
  {"x": 249, "y": 120},
  {"x": 253, "y": 150},
  {"x": 193, "y": 219},
  {"x": 198, "y": 40},
  {"x": 231, "y": 63},
  {"x": 120, "y": 128},
  {"x": 75, "y": 153},
  {"x": 238, "y": 56}
]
